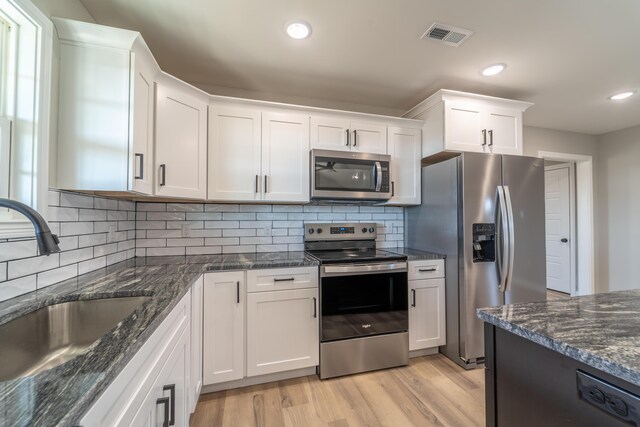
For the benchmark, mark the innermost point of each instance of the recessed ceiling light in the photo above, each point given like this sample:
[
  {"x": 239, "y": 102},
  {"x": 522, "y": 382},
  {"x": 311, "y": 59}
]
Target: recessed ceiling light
[
  {"x": 622, "y": 95},
  {"x": 494, "y": 69},
  {"x": 298, "y": 30}
]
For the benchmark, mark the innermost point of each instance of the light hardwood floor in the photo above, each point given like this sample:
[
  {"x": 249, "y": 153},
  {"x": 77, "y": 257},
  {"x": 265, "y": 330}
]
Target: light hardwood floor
[
  {"x": 431, "y": 391},
  {"x": 555, "y": 295}
]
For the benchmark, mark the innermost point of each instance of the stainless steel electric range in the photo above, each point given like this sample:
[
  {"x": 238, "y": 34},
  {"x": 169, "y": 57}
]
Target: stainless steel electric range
[{"x": 364, "y": 315}]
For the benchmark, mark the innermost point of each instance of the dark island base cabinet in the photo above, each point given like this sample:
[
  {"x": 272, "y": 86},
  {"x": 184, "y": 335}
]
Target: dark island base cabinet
[{"x": 529, "y": 385}]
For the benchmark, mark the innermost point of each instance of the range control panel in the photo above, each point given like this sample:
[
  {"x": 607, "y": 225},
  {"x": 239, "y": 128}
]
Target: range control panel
[{"x": 340, "y": 231}]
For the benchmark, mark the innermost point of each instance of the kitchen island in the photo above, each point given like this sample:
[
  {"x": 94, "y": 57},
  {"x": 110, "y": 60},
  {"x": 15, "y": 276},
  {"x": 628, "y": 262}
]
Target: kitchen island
[{"x": 570, "y": 362}]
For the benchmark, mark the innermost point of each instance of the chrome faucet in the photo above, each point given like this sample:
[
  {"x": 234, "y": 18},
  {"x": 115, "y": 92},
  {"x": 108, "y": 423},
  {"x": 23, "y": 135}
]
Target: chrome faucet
[{"x": 47, "y": 242}]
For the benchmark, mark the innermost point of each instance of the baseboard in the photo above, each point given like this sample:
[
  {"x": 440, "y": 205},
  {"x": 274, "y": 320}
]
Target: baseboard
[
  {"x": 261, "y": 379},
  {"x": 423, "y": 352}
]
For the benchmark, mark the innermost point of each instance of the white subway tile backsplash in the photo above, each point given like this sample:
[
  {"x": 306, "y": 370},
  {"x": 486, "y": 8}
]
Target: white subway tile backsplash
[
  {"x": 255, "y": 224},
  {"x": 204, "y": 216},
  {"x": 125, "y": 205},
  {"x": 221, "y": 208},
  {"x": 107, "y": 204},
  {"x": 287, "y": 224},
  {"x": 221, "y": 224},
  {"x": 62, "y": 214},
  {"x": 53, "y": 198},
  {"x": 151, "y": 225},
  {"x": 239, "y": 232},
  {"x": 278, "y": 216},
  {"x": 68, "y": 243},
  {"x": 238, "y": 216},
  {"x": 151, "y": 207},
  {"x": 204, "y": 250},
  {"x": 192, "y": 241},
  {"x": 287, "y": 208},
  {"x": 185, "y": 207},
  {"x": 331, "y": 217},
  {"x": 222, "y": 241},
  {"x": 194, "y": 225},
  {"x": 3, "y": 271},
  {"x": 92, "y": 264},
  {"x": 28, "y": 266},
  {"x": 256, "y": 240},
  {"x": 238, "y": 249},
  {"x": 107, "y": 249},
  {"x": 17, "y": 287},
  {"x": 165, "y": 251},
  {"x": 255, "y": 208},
  {"x": 76, "y": 200},
  {"x": 57, "y": 275},
  {"x": 75, "y": 256},
  {"x": 116, "y": 257},
  {"x": 75, "y": 228},
  {"x": 92, "y": 215},
  {"x": 272, "y": 248},
  {"x": 165, "y": 216}
]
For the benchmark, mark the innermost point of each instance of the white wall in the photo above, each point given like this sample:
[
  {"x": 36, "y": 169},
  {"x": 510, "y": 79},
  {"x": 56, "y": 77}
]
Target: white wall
[{"x": 619, "y": 193}]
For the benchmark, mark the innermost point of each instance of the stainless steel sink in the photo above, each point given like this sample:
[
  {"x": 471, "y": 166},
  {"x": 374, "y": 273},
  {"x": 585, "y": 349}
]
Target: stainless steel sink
[{"x": 52, "y": 335}]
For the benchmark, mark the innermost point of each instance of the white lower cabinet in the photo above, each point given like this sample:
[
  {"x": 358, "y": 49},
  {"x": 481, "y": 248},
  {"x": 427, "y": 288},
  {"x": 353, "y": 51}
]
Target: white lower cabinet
[
  {"x": 282, "y": 330},
  {"x": 157, "y": 376},
  {"x": 223, "y": 328},
  {"x": 427, "y": 328},
  {"x": 167, "y": 403},
  {"x": 197, "y": 294}
]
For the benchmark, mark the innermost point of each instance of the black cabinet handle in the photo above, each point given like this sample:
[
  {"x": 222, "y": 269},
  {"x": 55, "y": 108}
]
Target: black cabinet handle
[
  {"x": 172, "y": 390},
  {"x": 484, "y": 137},
  {"x": 140, "y": 166},
  {"x": 238, "y": 292},
  {"x": 257, "y": 187},
  {"x": 413, "y": 297},
  {"x": 393, "y": 188},
  {"x": 315, "y": 307},
  {"x": 265, "y": 184},
  {"x": 564, "y": 240},
  {"x": 163, "y": 170},
  {"x": 427, "y": 270},
  {"x": 288, "y": 279},
  {"x": 348, "y": 137},
  {"x": 491, "y": 138},
  {"x": 355, "y": 137},
  {"x": 165, "y": 402}
]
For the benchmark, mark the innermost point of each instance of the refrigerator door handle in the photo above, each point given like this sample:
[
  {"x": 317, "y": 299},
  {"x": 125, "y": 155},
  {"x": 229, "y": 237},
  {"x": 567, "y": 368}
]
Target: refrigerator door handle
[
  {"x": 512, "y": 237},
  {"x": 503, "y": 242}
]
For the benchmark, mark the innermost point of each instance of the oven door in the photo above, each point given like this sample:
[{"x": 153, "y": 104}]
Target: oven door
[
  {"x": 371, "y": 301},
  {"x": 344, "y": 175}
]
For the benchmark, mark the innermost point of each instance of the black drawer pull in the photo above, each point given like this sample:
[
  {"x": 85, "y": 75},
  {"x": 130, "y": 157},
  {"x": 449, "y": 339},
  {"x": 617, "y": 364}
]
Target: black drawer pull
[
  {"x": 288, "y": 279},
  {"x": 238, "y": 292},
  {"x": 172, "y": 389},
  {"x": 165, "y": 402},
  {"x": 427, "y": 270},
  {"x": 413, "y": 297}
]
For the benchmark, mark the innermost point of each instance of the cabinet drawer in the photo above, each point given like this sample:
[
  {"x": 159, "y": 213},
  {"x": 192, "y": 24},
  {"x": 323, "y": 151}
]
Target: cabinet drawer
[
  {"x": 426, "y": 269},
  {"x": 276, "y": 279}
]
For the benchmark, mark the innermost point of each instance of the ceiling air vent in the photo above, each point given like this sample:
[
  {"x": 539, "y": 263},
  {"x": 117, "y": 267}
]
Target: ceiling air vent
[{"x": 452, "y": 36}]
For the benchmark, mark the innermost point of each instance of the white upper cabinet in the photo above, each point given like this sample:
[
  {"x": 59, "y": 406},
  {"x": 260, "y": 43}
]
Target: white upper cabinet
[
  {"x": 330, "y": 133},
  {"x": 342, "y": 134},
  {"x": 368, "y": 138},
  {"x": 256, "y": 155},
  {"x": 181, "y": 139},
  {"x": 234, "y": 154},
  {"x": 105, "y": 109},
  {"x": 457, "y": 122},
  {"x": 285, "y": 157},
  {"x": 405, "y": 149}
]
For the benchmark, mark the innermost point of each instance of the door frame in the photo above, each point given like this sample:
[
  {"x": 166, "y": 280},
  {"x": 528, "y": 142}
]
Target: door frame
[
  {"x": 585, "y": 235},
  {"x": 572, "y": 220}
]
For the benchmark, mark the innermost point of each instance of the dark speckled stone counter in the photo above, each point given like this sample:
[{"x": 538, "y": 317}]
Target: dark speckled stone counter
[
  {"x": 60, "y": 396},
  {"x": 414, "y": 254},
  {"x": 602, "y": 330}
]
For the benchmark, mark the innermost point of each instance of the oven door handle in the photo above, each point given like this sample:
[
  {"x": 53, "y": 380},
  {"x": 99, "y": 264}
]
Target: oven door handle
[{"x": 336, "y": 270}]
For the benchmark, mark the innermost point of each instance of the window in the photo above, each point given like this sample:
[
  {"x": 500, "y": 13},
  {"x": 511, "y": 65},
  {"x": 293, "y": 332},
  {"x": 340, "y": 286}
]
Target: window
[{"x": 25, "y": 85}]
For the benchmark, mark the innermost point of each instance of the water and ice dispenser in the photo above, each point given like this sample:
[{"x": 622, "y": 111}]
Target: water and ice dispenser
[{"x": 484, "y": 238}]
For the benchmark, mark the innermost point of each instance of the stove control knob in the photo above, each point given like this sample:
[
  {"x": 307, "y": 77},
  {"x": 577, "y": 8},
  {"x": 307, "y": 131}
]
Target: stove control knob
[
  {"x": 371, "y": 230},
  {"x": 364, "y": 229},
  {"x": 319, "y": 230},
  {"x": 311, "y": 230}
]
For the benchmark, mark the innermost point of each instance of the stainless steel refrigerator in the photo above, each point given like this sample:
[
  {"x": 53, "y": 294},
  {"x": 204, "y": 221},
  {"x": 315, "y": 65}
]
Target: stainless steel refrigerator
[{"x": 485, "y": 212}]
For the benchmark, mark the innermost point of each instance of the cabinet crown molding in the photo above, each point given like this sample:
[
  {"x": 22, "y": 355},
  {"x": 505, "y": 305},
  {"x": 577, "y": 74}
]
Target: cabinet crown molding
[{"x": 454, "y": 95}]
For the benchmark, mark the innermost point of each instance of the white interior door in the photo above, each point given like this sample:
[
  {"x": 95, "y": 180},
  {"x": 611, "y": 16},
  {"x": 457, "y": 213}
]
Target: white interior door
[{"x": 558, "y": 227}]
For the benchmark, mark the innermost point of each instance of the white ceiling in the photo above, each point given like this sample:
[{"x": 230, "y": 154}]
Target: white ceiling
[{"x": 565, "y": 56}]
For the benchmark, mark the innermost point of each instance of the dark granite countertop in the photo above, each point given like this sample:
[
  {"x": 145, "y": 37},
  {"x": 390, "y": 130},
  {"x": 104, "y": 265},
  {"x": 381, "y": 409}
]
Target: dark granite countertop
[
  {"x": 601, "y": 330},
  {"x": 60, "y": 396},
  {"x": 414, "y": 254}
]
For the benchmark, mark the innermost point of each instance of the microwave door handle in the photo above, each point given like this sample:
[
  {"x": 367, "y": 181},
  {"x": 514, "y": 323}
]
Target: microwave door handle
[{"x": 378, "y": 176}]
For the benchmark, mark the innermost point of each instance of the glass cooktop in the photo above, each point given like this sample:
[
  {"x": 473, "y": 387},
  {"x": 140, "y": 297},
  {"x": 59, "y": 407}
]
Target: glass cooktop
[{"x": 355, "y": 255}]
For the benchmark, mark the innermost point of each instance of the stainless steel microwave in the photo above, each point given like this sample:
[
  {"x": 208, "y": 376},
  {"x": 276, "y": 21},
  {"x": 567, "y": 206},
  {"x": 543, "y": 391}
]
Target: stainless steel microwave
[{"x": 337, "y": 175}]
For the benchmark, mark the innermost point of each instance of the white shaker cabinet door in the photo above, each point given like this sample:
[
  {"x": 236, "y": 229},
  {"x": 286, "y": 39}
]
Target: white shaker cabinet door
[
  {"x": 405, "y": 149},
  {"x": 282, "y": 331},
  {"x": 234, "y": 154},
  {"x": 464, "y": 125},
  {"x": 285, "y": 157},
  {"x": 181, "y": 140},
  {"x": 368, "y": 138},
  {"x": 223, "y": 328},
  {"x": 426, "y": 313},
  {"x": 329, "y": 133},
  {"x": 505, "y": 131}
]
